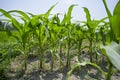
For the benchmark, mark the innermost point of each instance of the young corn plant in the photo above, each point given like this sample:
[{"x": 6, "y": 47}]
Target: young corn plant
[
  {"x": 22, "y": 29},
  {"x": 40, "y": 29},
  {"x": 54, "y": 30},
  {"x": 90, "y": 34},
  {"x": 91, "y": 31},
  {"x": 112, "y": 51},
  {"x": 91, "y": 24},
  {"x": 66, "y": 22},
  {"x": 41, "y": 36},
  {"x": 79, "y": 36}
]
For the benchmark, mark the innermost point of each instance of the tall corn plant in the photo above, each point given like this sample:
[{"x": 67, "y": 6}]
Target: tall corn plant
[{"x": 22, "y": 28}]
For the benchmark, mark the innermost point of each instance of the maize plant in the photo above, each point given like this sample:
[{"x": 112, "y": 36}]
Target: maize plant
[
  {"x": 40, "y": 29},
  {"x": 22, "y": 28}
]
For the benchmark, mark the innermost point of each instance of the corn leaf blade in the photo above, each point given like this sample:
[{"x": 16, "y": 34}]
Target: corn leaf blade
[
  {"x": 5, "y": 13},
  {"x": 21, "y": 13},
  {"x": 115, "y": 21},
  {"x": 88, "y": 16},
  {"x": 113, "y": 53},
  {"x": 84, "y": 64}
]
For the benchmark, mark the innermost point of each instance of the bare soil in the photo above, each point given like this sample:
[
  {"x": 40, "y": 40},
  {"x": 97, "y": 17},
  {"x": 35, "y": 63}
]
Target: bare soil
[{"x": 16, "y": 72}]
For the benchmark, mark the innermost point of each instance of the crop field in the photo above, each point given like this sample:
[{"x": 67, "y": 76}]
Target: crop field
[{"x": 44, "y": 47}]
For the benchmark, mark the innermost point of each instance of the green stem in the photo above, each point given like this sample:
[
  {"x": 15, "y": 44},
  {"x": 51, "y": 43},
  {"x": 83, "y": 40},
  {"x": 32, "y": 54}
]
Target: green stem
[
  {"x": 25, "y": 63},
  {"x": 60, "y": 57},
  {"x": 68, "y": 55},
  {"x": 91, "y": 53},
  {"x": 60, "y": 49},
  {"x": 109, "y": 71},
  {"x": 52, "y": 62},
  {"x": 79, "y": 48},
  {"x": 25, "y": 55},
  {"x": 41, "y": 52},
  {"x": 41, "y": 63},
  {"x": 112, "y": 34}
]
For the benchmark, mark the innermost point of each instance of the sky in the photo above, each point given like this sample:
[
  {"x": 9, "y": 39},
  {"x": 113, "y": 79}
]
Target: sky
[{"x": 95, "y": 7}]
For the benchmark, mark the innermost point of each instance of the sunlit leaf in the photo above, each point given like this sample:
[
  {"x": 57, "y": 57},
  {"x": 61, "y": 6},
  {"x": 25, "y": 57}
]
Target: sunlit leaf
[
  {"x": 48, "y": 12},
  {"x": 115, "y": 21},
  {"x": 67, "y": 17},
  {"x": 84, "y": 64},
  {"x": 21, "y": 13},
  {"x": 107, "y": 10},
  {"x": 113, "y": 53},
  {"x": 88, "y": 17},
  {"x": 5, "y": 13}
]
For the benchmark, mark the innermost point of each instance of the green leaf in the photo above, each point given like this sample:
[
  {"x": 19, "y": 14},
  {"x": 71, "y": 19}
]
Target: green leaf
[
  {"x": 107, "y": 10},
  {"x": 35, "y": 19},
  {"x": 32, "y": 15},
  {"x": 9, "y": 33},
  {"x": 5, "y": 13},
  {"x": 64, "y": 20},
  {"x": 88, "y": 17},
  {"x": 84, "y": 64},
  {"x": 67, "y": 17},
  {"x": 55, "y": 19},
  {"x": 17, "y": 38},
  {"x": 21, "y": 13},
  {"x": 112, "y": 34},
  {"x": 73, "y": 68},
  {"x": 16, "y": 25},
  {"x": 44, "y": 40},
  {"x": 116, "y": 9},
  {"x": 48, "y": 12},
  {"x": 25, "y": 36},
  {"x": 115, "y": 21},
  {"x": 113, "y": 53},
  {"x": 69, "y": 13}
]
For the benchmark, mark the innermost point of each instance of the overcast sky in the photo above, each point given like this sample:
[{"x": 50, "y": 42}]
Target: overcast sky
[{"x": 96, "y": 7}]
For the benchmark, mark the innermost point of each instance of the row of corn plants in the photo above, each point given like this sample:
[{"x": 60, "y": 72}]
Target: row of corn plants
[
  {"x": 112, "y": 51},
  {"x": 54, "y": 35}
]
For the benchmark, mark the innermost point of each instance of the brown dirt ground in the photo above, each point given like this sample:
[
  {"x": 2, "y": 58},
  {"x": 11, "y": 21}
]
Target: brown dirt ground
[{"x": 16, "y": 72}]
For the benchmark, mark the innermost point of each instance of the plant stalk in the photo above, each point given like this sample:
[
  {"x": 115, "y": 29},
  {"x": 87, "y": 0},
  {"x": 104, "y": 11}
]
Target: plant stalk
[
  {"x": 91, "y": 52},
  {"x": 68, "y": 55},
  {"x": 109, "y": 71}
]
